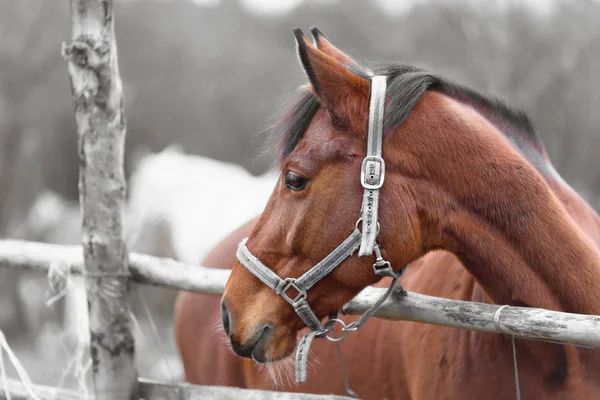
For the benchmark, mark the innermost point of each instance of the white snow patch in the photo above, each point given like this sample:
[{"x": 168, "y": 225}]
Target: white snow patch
[{"x": 199, "y": 199}]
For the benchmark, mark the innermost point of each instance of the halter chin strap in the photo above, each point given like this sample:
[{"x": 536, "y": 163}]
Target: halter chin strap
[{"x": 294, "y": 290}]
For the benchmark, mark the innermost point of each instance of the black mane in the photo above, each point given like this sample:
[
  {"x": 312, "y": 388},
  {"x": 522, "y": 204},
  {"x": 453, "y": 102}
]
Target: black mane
[
  {"x": 406, "y": 84},
  {"x": 289, "y": 128}
]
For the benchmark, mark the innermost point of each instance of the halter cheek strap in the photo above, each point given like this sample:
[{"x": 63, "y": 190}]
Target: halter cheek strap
[
  {"x": 294, "y": 290},
  {"x": 372, "y": 172}
]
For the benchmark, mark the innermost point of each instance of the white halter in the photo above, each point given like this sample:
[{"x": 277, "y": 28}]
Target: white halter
[{"x": 371, "y": 176}]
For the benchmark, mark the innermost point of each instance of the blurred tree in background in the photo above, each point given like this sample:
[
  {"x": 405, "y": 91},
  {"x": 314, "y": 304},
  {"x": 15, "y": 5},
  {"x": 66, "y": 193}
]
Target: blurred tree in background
[{"x": 32, "y": 82}]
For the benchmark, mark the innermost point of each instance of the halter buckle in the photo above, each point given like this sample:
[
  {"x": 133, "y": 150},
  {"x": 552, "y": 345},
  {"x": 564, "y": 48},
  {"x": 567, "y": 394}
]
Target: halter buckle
[
  {"x": 372, "y": 172},
  {"x": 290, "y": 283}
]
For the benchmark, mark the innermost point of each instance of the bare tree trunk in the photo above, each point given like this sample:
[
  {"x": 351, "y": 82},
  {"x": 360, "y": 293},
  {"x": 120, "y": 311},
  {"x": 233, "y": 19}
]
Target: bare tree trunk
[{"x": 99, "y": 115}]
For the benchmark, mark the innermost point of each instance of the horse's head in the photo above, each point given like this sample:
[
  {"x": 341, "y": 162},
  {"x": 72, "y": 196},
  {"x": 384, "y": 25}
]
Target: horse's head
[{"x": 315, "y": 206}]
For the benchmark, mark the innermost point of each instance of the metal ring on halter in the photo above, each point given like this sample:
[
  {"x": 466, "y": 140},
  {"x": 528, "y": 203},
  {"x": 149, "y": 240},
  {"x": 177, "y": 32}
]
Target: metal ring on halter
[
  {"x": 360, "y": 221},
  {"x": 344, "y": 331}
]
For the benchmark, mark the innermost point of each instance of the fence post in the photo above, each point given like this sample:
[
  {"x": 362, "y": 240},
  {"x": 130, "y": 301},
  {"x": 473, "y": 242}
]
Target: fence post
[{"x": 99, "y": 115}]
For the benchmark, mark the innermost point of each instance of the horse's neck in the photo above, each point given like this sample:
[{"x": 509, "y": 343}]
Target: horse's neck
[
  {"x": 526, "y": 239},
  {"x": 583, "y": 215},
  {"x": 546, "y": 254},
  {"x": 549, "y": 263}
]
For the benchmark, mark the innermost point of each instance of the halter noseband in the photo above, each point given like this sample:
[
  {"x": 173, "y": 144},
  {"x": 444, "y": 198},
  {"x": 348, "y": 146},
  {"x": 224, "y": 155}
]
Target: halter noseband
[{"x": 371, "y": 176}]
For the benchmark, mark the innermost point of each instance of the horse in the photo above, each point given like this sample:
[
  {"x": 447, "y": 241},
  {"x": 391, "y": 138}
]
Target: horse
[{"x": 471, "y": 203}]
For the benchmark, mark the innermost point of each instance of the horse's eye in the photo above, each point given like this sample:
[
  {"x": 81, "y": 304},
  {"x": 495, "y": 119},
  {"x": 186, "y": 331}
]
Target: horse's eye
[{"x": 295, "y": 181}]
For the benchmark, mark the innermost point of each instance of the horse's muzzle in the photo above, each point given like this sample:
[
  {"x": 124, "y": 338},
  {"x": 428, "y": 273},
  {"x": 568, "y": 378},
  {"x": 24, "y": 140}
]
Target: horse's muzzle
[{"x": 253, "y": 348}]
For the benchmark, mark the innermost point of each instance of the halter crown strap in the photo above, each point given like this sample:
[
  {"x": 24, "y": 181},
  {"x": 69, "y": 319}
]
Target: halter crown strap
[{"x": 372, "y": 172}]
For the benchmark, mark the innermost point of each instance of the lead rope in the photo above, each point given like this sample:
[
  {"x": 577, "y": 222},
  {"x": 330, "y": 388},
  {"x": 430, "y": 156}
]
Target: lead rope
[
  {"x": 516, "y": 369},
  {"x": 349, "y": 391},
  {"x": 506, "y": 331}
]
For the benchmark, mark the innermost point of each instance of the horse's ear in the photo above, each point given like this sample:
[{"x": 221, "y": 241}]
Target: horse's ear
[
  {"x": 323, "y": 44},
  {"x": 344, "y": 93}
]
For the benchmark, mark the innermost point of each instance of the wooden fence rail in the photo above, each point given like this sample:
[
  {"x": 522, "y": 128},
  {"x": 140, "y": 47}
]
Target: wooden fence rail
[
  {"x": 528, "y": 323},
  {"x": 149, "y": 390}
]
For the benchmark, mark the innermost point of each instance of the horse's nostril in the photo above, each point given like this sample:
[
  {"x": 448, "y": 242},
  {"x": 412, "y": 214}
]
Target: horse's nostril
[
  {"x": 258, "y": 350},
  {"x": 226, "y": 318},
  {"x": 255, "y": 347}
]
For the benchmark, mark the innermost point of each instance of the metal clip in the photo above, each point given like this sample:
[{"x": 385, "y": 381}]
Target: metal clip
[{"x": 382, "y": 267}]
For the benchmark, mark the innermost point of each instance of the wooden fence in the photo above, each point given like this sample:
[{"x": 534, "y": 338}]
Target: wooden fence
[
  {"x": 149, "y": 390},
  {"x": 109, "y": 269},
  {"x": 522, "y": 322},
  {"x": 527, "y": 323}
]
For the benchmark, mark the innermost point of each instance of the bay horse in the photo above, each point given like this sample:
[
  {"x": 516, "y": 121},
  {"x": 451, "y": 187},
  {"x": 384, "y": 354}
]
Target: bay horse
[{"x": 471, "y": 203}]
